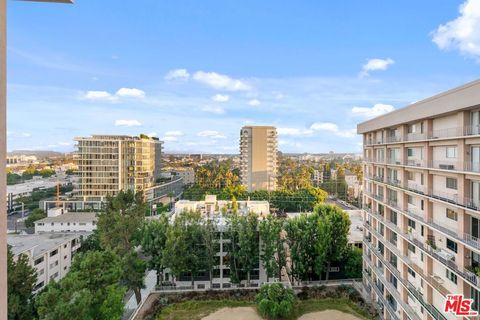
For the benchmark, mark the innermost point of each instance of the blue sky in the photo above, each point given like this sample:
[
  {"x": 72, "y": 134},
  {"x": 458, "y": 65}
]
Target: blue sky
[{"x": 194, "y": 72}]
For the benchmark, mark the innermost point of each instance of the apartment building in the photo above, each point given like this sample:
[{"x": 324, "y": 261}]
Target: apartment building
[
  {"x": 258, "y": 157},
  {"x": 68, "y": 222},
  {"x": 110, "y": 163},
  {"x": 50, "y": 255},
  {"x": 422, "y": 204}
]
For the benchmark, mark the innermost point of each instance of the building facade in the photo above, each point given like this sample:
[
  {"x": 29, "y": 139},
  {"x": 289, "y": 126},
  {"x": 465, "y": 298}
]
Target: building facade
[
  {"x": 50, "y": 255},
  {"x": 258, "y": 157},
  {"x": 422, "y": 204},
  {"x": 108, "y": 164},
  {"x": 68, "y": 222}
]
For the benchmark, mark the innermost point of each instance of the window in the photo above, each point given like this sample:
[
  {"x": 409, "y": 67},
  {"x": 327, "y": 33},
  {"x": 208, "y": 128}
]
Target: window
[
  {"x": 421, "y": 204},
  {"x": 393, "y": 217},
  {"x": 410, "y": 175},
  {"x": 452, "y": 245},
  {"x": 411, "y": 248},
  {"x": 54, "y": 252},
  {"x": 410, "y": 199},
  {"x": 451, "y": 152},
  {"x": 452, "y": 276},
  {"x": 411, "y": 224},
  {"x": 421, "y": 179},
  {"x": 452, "y": 183},
  {"x": 410, "y": 152},
  {"x": 452, "y": 214},
  {"x": 411, "y": 272},
  {"x": 38, "y": 261}
]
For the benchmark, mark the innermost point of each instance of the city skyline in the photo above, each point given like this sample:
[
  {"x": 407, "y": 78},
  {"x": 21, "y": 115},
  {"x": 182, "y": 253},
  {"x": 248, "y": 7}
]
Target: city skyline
[{"x": 195, "y": 74}]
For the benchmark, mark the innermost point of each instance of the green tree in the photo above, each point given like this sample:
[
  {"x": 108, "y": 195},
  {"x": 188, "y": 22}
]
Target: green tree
[
  {"x": 353, "y": 263},
  {"x": 35, "y": 215},
  {"x": 153, "y": 241},
  {"x": 119, "y": 230},
  {"x": 134, "y": 274},
  {"x": 184, "y": 248},
  {"x": 275, "y": 301},
  {"x": 21, "y": 279},
  {"x": 210, "y": 245},
  {"x": 332, "y": 244},
  {"x": 273, "y": 254},
  {"x": 248, "y": 242},
  {"x": 90, "y": 290},
  {"x": 121, "y": 222}
]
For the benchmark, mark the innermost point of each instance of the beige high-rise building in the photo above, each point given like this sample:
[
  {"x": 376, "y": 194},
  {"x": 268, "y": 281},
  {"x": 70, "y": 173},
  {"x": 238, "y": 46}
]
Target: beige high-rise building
[
  {"x": 258, "y": 157},
  {"x": 110, "y": 163},
  {"x": 422, "y": 205}
]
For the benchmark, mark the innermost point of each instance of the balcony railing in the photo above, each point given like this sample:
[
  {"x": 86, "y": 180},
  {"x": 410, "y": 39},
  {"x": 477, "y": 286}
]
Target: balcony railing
[
  {"x": 435, "y": 253},
  {"x": 380, "y": 296},
  {"x": 451, "y": 165},
  {"x": 436, "y": 314},
  {"x": 467, "y": 202},
  {"x": 391, "y": 289}
]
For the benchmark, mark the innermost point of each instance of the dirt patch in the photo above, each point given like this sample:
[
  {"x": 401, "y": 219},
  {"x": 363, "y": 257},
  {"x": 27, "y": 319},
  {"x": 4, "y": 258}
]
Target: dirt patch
[
  {"x": 238, "y": 313},
  {"x": 328, "y": 315}
]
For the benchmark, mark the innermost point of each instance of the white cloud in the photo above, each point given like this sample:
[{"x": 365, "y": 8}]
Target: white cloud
[
  {"x": 65, "y": 143},
  {"x": 294, "y": 132},
  {"x": 254, "y": 102},
  {"x": 220, "y": 81},
  {"x": 130, "y": 93},
  {"x": 462, "y": 33},
  {"x": 152, "y": 134},
  {"x": 99, "y": 95},
  {"x": 127, "y": 123},
  {"x": 333, "y": 128},
  {"x": 211, "y": 134},
  {"x": 177, "y": 74},
  {"x": 175, "y": 133},
  {"x": 375, "y": 111},
  {"x": 374, "y": 65},
  {"x": 221, "y": 98},
  {"x": 212, "y": 109},
  {"x": 121, "y": 93},
  {"x": 26, "y": 135}
]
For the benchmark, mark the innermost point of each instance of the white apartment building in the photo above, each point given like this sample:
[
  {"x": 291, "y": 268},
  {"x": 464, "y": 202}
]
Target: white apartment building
[
  {"x": 49, "y": 254},
  {"x": 258, "y": 158},
  {"x": 213, "y": 208},
  {"x": 68, "y": 222},
  {"x": 422, "y": 204},
  {"x": 354, "y": 186},
  {"x": 109, "y": 163}
]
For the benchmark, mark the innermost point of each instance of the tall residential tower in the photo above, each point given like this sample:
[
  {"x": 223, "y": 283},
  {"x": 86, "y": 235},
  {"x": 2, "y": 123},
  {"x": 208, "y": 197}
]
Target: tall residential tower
[
  {"x": 422, "y": 204},
  {"x": 110, "y": 163},
  {"x": 258, "y": 157}
]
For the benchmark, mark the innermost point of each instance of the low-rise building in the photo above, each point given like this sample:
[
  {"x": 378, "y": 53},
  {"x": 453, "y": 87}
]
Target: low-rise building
[
  {"x": 354, "y": 186},
  {"x": 68, "y": 222},
  {"x": 211, "y": 206},
  {"x": 49, "y": 254}
]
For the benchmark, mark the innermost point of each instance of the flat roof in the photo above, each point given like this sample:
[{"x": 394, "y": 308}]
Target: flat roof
[
  {"x": 79, "y": 217},
  {"x": 459, "y": 98},
  {"x": 40, "y": 243}
]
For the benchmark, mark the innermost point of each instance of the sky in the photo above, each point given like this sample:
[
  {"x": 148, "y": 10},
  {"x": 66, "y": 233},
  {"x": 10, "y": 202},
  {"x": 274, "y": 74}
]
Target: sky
[{"x": 194, "y": 72}]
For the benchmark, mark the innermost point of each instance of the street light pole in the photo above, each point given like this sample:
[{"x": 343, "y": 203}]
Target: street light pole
[{"x": 3, "y": 152}]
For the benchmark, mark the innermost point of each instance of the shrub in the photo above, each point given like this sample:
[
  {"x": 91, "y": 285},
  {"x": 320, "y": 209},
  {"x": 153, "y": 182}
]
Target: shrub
[{"x": 275, "y": 301}]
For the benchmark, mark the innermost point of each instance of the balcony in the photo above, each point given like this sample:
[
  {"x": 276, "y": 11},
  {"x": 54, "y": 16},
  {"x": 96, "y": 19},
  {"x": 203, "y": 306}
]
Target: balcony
[
  {"x": 464, "y": 202},
  {"x": 466, "y": 166},
  {"x": 381, "y": 297},
  {"x": 433, "y": 252},
  {"x": 390, "y": 288},
  {"x": 434, "y": 312}
]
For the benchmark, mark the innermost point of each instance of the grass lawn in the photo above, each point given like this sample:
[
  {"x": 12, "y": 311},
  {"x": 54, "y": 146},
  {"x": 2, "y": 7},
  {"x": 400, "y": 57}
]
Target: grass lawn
[{"x": 196, "y": 310}]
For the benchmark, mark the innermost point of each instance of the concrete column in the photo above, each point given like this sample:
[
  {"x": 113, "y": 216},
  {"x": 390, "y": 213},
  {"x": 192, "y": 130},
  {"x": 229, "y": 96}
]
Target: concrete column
[{"x": 3, "y": 156}]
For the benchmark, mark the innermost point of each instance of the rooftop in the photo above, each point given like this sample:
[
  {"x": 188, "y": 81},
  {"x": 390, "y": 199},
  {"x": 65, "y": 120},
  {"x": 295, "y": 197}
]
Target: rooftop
[
  {"x": 463, "y": 97},
  {"x": 40, "y": 243},
  {"x": 79, "y": 217}
]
